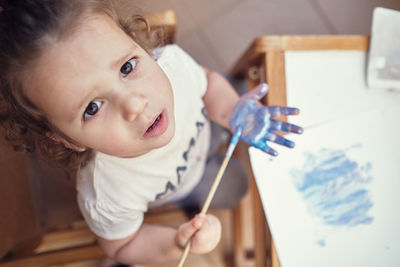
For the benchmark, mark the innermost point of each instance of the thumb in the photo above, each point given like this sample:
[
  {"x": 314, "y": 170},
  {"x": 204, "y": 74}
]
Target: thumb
[
  {"x": 187, "y": 230},
  {"x": 257, "y": 92}
]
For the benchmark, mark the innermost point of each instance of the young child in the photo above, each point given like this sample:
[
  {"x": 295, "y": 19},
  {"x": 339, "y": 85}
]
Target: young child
[{"x": 88, "y": 89}]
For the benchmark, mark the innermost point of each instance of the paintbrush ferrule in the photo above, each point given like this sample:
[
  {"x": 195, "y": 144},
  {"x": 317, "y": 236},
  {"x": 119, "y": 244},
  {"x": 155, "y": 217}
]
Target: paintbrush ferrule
[{"x": 234, "y": 142}]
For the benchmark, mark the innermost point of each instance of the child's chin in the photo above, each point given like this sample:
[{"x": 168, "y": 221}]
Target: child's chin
[{"x": 168, "y": 135}]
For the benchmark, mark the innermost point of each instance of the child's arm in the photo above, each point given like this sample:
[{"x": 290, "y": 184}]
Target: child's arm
[
  {"x": 153, "y": 243},
  {"x": 219, "y": 99}
]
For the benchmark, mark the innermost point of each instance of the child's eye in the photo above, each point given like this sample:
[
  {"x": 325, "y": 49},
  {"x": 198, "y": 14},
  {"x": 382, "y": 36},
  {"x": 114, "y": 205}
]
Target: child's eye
[
  {"x": 92, "y": 109},
  {"x": 128, "y": 67}
]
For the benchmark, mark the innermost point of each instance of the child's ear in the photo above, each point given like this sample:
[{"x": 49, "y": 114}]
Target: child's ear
[{"x": 67, "y": 144}]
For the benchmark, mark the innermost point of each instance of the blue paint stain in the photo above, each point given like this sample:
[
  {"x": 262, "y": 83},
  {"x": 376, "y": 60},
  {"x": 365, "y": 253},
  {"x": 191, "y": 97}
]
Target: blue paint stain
[
  {"x": 321, "y": 243},
  {"x": 233, "y": 142},
  {"x": 333, "y": 187}
]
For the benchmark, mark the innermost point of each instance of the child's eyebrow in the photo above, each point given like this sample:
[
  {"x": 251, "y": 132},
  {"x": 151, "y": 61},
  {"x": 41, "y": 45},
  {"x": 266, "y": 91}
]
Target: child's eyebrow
[{"x": 118, "y": 63}]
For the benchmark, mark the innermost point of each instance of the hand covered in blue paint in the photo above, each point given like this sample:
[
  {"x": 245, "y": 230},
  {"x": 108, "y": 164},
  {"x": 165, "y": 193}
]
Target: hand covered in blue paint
[{"x": 254, "y": 121}]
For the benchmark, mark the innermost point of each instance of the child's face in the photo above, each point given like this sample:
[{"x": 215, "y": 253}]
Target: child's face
[{"x": 104, "y": 91}]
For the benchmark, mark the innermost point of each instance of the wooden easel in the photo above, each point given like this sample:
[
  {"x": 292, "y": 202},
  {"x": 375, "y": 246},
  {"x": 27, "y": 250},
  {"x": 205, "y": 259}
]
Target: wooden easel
[{"x": 264, "y": 61}]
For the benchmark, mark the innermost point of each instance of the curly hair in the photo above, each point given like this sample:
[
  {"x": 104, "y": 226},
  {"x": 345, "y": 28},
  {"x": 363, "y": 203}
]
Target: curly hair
[{"x": 27, "y": 28}]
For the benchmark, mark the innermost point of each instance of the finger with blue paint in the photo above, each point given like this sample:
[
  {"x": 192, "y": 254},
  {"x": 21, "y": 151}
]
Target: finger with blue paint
[{"x": 256, "y": 124}]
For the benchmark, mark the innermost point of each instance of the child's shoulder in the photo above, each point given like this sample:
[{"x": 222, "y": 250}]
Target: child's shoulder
[
  {"x": 171, "y": 52},
  {"x": 182, "y": 69}
]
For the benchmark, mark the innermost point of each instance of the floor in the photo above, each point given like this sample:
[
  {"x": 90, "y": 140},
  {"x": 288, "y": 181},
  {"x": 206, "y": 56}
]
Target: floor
[{"x": 217, "y": 32}]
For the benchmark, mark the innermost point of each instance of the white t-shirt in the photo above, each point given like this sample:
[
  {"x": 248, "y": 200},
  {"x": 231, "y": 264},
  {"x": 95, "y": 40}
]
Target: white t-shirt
[{"x": 114, "y": 193}]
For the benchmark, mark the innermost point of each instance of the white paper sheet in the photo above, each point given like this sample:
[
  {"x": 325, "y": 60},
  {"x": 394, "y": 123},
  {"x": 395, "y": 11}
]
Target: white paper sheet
[
  {"x": 332, "y": 200},
  {"x": 329, "y": 85}
]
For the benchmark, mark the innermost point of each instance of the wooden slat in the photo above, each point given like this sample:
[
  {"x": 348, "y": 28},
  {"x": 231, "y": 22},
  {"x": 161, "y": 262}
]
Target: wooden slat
[
  {"x": 66, "y": 239},
  {"x": 262, "y": 255},
  {"x": 165, "y": 20},
  {"x": 238, "y": 245},
  {"x": 312, "y": 42},
  {"x": 162, "y": 19},
  {"x": 274, "y": 256},
  {"x": 261, "y": 240},
  {"x": 75, "y": 245},
  {"x": 264, "y": 44},
  {"x": 274, "y": 62},
  {"x": 326, "y": 42},
  {"x": 79, "y": 244},
  {"x": 251, "y": 57},
  {"x": 165, "y": 215},
  {"x": 61, "y": 257}
]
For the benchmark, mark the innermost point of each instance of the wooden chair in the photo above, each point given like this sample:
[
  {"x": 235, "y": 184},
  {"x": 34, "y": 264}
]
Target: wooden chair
[
  {"x": 263, "y": 61},
  {"x": 70, "y": 242},
  {"x": 74, "y": 242}
]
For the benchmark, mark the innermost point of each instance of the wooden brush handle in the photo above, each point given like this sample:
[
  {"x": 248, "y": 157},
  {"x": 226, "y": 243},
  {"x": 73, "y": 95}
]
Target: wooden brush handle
[{"x": 207, "y": 203}]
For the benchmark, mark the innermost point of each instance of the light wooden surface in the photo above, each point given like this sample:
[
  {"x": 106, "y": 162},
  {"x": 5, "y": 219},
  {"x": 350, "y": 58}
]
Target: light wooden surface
[
  {"x": 165, "y": 20},
  {"x": 62, "y": 257},
  {"x": 266, "y": 44},
  {"x": 79, "y": 244},
  {"x": 264, "y": 61}
]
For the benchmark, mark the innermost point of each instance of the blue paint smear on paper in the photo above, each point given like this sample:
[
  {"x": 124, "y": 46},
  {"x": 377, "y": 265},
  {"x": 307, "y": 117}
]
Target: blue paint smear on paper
[{"x": 334, "y": 187}]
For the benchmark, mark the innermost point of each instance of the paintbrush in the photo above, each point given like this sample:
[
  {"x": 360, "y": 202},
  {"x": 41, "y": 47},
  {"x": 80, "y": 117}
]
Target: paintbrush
[{"x": 206, "y": 205}]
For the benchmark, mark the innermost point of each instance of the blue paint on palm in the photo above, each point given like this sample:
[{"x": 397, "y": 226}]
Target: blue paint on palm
[
  {"x": 256, "y": 122},
  {"x": 333, "y": 186}
]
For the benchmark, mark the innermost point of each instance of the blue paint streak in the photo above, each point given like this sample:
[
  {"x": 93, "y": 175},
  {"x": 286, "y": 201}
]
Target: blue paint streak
[
  {"x": 233, "y": 143},
  {"x": 333, "y": 187}
]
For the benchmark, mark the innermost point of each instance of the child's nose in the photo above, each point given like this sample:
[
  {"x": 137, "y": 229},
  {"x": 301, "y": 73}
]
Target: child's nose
[{"x": 133, "y": 105}]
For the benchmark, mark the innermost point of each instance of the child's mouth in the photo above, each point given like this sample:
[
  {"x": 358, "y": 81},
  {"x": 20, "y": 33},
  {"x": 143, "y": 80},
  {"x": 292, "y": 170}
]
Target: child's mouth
[
  {"x": 154, "y": 124},
  {"x": 158, "y": 127}
]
